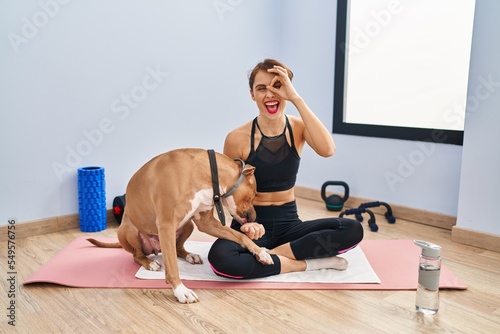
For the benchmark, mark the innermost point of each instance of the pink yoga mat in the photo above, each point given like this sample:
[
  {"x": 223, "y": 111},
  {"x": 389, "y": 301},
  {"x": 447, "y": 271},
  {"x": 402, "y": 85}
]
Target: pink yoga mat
[{"x": 83, "y": 265}]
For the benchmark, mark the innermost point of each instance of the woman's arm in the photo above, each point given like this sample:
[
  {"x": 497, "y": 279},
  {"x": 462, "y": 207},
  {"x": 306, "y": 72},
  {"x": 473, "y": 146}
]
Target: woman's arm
[{"x": 314, "y": 132}]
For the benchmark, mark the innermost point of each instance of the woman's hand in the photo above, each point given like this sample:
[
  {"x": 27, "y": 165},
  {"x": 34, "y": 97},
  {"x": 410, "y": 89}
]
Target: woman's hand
[
  {"x": 253, "y": 230},
  {"x": 314, "y": 133},
  {"x": 281, "y": 84}
]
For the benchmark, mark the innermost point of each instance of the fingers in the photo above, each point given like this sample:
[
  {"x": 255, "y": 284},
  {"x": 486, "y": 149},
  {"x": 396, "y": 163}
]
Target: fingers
[
  {"x": 279, "y": 70},
  {"x": 253, "y": 230},
  {"x": 275, "y": 80},
  {"x": 281, "y": 84},
  {"x": 275, "y": 85},
  {"x": 281, "y": 74}
]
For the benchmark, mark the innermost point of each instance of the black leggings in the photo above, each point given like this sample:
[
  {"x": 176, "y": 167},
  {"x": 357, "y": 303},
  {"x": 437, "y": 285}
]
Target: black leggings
[{"x": 313, "y": 239}]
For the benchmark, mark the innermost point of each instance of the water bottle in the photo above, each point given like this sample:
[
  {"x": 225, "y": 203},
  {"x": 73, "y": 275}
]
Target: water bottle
[{"x": 429, "y": 268}]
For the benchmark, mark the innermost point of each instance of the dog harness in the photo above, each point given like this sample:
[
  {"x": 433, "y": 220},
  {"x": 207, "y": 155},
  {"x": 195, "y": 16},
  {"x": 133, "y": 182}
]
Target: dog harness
[
  {"x": 276, "y": 162},
  {"x": 215, "y": 185}
]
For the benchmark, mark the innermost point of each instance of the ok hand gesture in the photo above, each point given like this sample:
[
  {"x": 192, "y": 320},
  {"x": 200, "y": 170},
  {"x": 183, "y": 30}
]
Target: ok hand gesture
[{"x": 281, "y": 84}]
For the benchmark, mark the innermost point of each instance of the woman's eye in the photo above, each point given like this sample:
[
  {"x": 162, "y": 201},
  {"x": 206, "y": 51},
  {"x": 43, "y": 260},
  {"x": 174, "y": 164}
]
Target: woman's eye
[{"x": 277, "y": 85}]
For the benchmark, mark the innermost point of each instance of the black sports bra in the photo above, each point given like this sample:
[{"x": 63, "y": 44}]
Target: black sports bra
[{"x": 276, "y": 162}]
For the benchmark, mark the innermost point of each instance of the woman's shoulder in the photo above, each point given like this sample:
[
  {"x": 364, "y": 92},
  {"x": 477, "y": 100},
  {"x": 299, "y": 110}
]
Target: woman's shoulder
[
  {"x": 296, "y": 123},
  {"x": 294, "y": 120},
  {"x": 237, "y": 141}
]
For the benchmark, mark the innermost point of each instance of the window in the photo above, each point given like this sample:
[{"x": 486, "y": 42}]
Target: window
[{"x": 401, "y": 68}]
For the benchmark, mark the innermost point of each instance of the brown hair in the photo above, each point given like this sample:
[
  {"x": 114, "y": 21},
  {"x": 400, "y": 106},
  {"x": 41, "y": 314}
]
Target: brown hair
[{"x": 265, "y": 65}]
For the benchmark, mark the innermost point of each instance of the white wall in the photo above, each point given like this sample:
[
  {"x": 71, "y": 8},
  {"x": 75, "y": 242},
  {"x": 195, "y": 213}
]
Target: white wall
[
  {"x": 72, "y": 74},
  {"x": 66, "y": 79},
  {"x": 480, "y": 178}
]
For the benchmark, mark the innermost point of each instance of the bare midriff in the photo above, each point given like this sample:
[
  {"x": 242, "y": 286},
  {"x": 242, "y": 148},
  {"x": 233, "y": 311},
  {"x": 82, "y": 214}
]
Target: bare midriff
[{"x": 274, "y": 198}]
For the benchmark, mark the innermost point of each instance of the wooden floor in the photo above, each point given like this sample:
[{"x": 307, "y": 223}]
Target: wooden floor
[{"x": 55, "y": 309}]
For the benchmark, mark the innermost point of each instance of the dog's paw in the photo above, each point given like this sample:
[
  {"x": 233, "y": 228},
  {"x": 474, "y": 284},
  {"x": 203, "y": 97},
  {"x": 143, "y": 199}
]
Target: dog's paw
[
  {"x": 264, "y": 257},
  {"x": 185, "y": 295},
  {"x": 154, "y": 266},
  {"x": 194, "y": 258}
]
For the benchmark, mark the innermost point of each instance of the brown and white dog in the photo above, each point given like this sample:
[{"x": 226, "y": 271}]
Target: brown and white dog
[{"x": 168, "y": 194}]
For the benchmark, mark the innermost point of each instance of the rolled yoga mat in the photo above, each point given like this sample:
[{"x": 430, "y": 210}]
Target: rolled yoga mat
[{"x": 92, "y": 199}]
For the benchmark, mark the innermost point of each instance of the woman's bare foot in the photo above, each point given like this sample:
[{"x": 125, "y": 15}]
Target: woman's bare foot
[{"x": 334, "y": 262}]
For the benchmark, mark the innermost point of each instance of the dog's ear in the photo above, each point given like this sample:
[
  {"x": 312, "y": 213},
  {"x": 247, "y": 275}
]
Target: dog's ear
[{"x": 248, "y": 170}]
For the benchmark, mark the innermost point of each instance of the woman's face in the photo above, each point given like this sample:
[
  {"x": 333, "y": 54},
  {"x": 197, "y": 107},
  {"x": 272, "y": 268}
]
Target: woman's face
[{"x": 270, "y": 105}]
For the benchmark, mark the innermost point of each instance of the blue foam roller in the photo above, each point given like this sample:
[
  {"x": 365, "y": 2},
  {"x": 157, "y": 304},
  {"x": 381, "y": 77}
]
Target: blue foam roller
[{"x": 92, "y": 199}]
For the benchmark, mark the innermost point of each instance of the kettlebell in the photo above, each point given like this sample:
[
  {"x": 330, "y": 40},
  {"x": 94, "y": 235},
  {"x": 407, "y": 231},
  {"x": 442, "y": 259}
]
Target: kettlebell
[{"x": 334, "y": 202}]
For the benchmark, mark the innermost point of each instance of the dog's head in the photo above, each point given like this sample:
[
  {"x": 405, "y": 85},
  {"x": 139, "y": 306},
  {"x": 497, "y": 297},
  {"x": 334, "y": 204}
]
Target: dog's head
[{"x": 243, "y": 210}]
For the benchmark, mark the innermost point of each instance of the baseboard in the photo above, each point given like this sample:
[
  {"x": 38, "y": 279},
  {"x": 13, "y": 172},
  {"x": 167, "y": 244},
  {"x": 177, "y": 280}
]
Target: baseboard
[
  {"x": 47, "y": 225},
  {"x": 61, "y": 223},
  {"x": 475, "y": 238},
  {"x": 460, "y": 235},
  {"x": 398, "y": 211}
]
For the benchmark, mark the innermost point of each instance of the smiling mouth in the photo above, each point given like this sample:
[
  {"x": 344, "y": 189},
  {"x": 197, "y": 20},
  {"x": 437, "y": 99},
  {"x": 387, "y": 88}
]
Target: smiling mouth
[{"x": 272, "y": 107}]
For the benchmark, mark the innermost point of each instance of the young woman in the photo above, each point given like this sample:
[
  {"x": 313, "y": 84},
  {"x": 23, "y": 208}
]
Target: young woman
[{"x": 273, "y": 143}]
